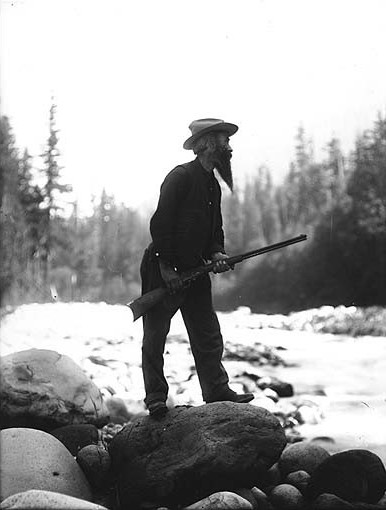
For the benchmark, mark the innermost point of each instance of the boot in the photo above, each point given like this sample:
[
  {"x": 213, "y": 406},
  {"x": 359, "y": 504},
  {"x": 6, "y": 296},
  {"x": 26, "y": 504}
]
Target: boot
[{"x": 231, "y": 396}]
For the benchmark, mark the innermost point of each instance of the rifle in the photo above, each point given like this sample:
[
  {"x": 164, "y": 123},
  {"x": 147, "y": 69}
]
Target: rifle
[{"x": 142, "y": 304}]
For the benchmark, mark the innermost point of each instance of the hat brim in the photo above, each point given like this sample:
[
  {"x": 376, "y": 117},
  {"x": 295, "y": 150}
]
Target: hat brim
[{"x": 226, "y": 127}]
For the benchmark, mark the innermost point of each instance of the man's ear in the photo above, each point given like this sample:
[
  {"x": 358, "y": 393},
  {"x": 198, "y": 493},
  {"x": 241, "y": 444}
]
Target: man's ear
[{"x": 212, "y": 141}]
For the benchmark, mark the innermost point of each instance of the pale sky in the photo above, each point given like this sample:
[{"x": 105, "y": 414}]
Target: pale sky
[{"x": 129, "y": 76}]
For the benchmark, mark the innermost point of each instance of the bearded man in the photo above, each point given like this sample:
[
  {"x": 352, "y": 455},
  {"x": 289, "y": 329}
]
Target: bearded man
[{"x": 186, "y": 230}]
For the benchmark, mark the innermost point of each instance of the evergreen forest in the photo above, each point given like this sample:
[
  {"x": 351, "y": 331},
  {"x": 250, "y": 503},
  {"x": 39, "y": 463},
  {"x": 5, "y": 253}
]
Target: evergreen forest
[{"x": 338, "y": 201}]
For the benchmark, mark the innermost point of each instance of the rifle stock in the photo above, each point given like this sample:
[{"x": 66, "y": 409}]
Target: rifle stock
[{"x": 142, "y": 304}]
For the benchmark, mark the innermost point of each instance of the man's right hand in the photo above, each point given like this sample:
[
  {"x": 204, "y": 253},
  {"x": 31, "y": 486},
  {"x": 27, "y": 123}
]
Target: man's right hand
[{"x": 171, "y": 278}]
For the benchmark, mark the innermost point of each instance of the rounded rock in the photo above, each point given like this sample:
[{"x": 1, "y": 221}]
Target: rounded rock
[
  {"x": 353, "y": 475},
  {"x": 42, "y": 500},
  {"x": 261, "y": 498},
  {"x": 331, "y": 502},
  {"x": 302, "y": 456},
  {"x": 299, "y": 479},
  {"x": 286, "y": 497},
  {"x": 248, "y": 495},
  {"x": 273, "y": 476},
  {"x": 224, "y": 500},
  {"x": 96, "y": 464},
  {"x": 33, "y": 459},
  {"x": 44, "y": 389}
]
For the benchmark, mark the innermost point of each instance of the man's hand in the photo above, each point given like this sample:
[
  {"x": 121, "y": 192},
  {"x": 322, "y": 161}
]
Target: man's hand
[
  {"x": 171, "y": 278},
  {"x": 221, "y": 262}
]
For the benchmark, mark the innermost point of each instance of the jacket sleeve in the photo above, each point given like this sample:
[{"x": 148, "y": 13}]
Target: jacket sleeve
[
  {"x": 217, "y": 244},
  {"x": 172, "y": 193}
]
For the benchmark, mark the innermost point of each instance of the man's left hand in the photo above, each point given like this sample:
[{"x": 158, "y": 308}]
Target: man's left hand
[{"x": 221, "y": 262}]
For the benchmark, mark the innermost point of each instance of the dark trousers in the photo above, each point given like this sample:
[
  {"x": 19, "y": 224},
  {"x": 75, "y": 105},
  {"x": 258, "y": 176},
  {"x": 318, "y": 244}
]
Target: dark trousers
[{"x": 203, "y": 330}]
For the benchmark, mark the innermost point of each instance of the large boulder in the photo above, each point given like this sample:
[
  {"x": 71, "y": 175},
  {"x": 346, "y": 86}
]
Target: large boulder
[
  {"x": 33, "y": 459},
  {"x": 44, "y": 389},
  {"x": 353, "y": 475},
  {"x": 193, "y": 452}
]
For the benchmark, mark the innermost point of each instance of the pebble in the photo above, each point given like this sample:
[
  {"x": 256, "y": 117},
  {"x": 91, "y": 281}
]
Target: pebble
[
  {"x": 309, "y": 414},
  {"x": 261, "y": 498},
  {"x": 331, "y": 502},
  {"x": 249, "y": 496},
  {"x": 299, "y": 479},
  {"x": 96, "y": 464},
  {"x": 302, "y": 456},
  {"x": 273, "y": 477},
  {"x": 286, "y": 497},
  {"x": 221, "y": 501}
]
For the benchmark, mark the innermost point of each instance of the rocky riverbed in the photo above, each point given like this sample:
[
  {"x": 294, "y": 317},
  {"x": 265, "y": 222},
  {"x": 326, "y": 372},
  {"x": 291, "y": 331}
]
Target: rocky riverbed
[
  {"x": 339, "y": 380},
  {"x": 321, "y": 383}
]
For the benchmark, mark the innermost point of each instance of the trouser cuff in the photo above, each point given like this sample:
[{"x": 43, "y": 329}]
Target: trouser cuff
[{"x": 155, "y": 397}]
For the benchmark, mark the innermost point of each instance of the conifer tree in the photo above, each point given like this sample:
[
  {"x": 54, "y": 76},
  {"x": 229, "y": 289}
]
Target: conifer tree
[
  {"x": 11, "y": 218},
  {"x": 30, "y": 197},
  {"x": 52, "y": 190}
]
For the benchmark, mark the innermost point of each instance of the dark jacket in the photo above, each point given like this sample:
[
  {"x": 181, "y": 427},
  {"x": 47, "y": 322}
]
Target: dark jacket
[{"x": 187, "y": 225}]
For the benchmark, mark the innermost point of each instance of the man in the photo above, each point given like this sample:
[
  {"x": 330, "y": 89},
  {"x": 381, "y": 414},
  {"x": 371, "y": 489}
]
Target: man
[{"x": 186, "y": 231}]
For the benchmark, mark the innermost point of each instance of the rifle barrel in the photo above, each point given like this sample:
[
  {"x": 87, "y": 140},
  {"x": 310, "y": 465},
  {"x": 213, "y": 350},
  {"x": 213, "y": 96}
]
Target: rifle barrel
[{"x": 266, "y": 249}]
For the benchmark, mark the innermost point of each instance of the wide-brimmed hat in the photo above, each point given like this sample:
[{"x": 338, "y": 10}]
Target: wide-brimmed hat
[{"x": 201, "y": 126}]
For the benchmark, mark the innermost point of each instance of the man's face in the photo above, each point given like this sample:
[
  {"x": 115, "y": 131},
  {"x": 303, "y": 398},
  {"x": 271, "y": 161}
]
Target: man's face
[
  {"x": 223, "y": 142},
  {"x": 221, "y": 158}
]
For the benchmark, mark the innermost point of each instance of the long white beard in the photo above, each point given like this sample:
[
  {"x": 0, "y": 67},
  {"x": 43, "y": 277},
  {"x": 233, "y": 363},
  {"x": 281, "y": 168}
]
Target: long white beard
[{"x": 223, "y": 166}]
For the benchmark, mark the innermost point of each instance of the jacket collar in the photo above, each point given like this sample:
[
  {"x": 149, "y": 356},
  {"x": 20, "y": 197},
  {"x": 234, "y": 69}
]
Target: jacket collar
[{"x": 201, "y": 169}]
